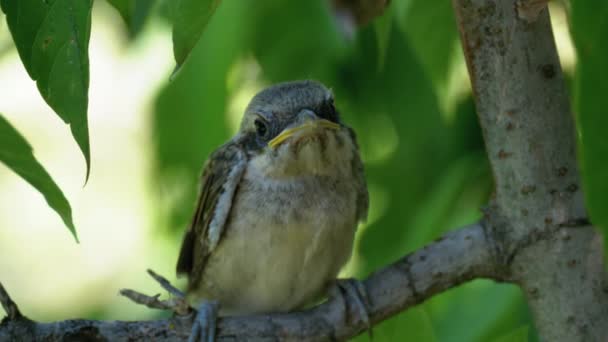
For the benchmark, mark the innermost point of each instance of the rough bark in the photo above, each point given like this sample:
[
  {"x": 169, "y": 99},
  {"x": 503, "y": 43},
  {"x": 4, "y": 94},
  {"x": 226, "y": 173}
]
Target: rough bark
[
  {"x": 524, "y": 111},
  {"x": 455, "y": 258}
]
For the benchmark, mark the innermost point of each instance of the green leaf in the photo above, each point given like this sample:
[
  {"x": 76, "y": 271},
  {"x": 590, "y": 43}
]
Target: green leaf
[
  {"x": 295, "y": 39},
  {"x": 190, "y": 17},
  {"x": 518, "y": 335},
  {"x": 17, "y": 154},
  {"x": 590, "y": 29},
  {"x": 383, "y": 26},
  {"x": 189, "y": 121},
  {"x": 414, "y": 324},
  {"x": 52, "y": 38},
  {"x": 431, "y": 30},
  {"x": 463, "y": 314},
  {"x": 134, "y": 13}
]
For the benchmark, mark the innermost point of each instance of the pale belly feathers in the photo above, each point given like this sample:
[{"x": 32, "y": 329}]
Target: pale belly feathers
[{"x": 284, "y": 243}]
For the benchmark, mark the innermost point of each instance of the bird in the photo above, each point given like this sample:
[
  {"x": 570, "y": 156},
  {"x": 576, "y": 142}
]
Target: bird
[{"x": 277, "y": 211}]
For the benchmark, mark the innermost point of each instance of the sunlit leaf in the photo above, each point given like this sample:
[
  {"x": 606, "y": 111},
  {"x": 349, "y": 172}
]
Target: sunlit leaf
[
  {"x": 133, "y": 12},
  {"x": 190, "y": 17},
  {"x": 590, "y": 29},
  {"x": 17, "y": 154},
  {"x": 52, "y": 38}
]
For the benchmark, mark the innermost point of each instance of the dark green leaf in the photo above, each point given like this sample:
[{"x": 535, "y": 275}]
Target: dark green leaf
[
  {"x": 52, "y": 38},
  {"x": 590, "y": 29},
  {"x": 190, "y": 17},
  {"x": 17, "y": 154},
  {"x": 133, "y": 12},
  {"x": 518, "y": 335},
  {"x": 383, "y": 26},
  {"x": 189, "y": 119},
  {"x": 295, "y": 39}
]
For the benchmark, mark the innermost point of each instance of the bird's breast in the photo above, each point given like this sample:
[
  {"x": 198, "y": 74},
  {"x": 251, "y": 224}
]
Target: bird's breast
[{"x": 285, "y": 241}]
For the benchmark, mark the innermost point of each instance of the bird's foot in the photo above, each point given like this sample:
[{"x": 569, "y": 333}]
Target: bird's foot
[
  {"x": 177, "y": 303},
  {"x": 353, "y": 291},
  {"x": 205, "y": 322}
]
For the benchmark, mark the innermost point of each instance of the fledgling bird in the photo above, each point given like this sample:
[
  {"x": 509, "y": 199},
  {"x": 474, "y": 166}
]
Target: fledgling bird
[{"x": 277, "y": 210}]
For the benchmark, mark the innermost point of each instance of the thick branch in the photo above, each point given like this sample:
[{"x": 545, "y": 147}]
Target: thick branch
[
  {"x": 525, "y": 116},
  {"x": 446, "y": 263}
]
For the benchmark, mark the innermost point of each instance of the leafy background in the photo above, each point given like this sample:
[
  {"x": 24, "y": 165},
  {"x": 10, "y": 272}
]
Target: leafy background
[{"x": 400, "y": 81}]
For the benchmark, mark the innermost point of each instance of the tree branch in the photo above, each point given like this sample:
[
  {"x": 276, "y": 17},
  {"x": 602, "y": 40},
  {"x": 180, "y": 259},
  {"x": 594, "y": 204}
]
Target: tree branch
[
  {"x": 457, "y": 257},
  {"x": 524, "y": 111}
]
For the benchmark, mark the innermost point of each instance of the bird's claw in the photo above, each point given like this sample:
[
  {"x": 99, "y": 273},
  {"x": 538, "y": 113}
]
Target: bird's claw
[
  {"x": 178, "y": 303},
  {"x": 205, "y": 322},
  {"x": 353, "y": 291}
]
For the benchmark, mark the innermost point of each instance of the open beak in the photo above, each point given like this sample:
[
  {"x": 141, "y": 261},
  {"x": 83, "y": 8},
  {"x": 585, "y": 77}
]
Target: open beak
[{"x": 307, "y": 126}]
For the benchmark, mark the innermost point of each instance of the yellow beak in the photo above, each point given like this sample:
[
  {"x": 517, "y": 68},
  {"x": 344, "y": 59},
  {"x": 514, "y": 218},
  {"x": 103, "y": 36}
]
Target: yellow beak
[{"x": 306, "y": 126}]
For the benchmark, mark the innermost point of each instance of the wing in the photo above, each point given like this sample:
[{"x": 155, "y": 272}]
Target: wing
[
  {"x": 221, "y": 175},
  {"x": 361, "y": 184}
]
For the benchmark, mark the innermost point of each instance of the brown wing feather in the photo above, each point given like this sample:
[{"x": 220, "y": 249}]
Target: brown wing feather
[
  {"x": 225, "y": 167},
  {"x": 359, "y": 175}
]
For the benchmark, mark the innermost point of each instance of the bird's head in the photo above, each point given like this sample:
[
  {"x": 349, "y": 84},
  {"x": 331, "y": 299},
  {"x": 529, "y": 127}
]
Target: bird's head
[{"x": 293, "y": 129}]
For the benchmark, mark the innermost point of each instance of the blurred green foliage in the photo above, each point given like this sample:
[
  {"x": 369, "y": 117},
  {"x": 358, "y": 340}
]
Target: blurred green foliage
[
  {"x": 425, "y": 161},
  {"x": 589, "y": 31}
]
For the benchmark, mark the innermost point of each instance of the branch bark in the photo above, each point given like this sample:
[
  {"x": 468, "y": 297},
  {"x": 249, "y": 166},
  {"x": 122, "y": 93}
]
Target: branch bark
[
  {"x": 455, "y": 258},
  {"x": 524, "y": 111}
]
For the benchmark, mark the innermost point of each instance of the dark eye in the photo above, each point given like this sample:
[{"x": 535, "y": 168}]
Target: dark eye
[
  {"x": 328, "y": 111},
  {"x": 261, "y": 128}
]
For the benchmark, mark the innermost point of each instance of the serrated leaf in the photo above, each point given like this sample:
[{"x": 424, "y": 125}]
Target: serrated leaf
[
  {"x": 133, "y": 12},
  {"x": 17, "y": 154},
  {"x": 190, "y": 17},
  {"x": 52, "y": 38},
  {"x": 590, "y": 29}
]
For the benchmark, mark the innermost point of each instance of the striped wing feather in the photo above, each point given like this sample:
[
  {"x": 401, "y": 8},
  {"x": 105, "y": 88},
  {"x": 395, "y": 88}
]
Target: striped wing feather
[{"x": 221, "y": 175}]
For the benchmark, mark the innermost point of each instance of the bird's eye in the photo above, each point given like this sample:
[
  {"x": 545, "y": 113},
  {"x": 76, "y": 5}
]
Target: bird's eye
[
  {"x": 261, "y": 128},
  {"x": 328, "y": 111}
]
